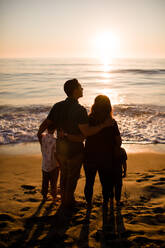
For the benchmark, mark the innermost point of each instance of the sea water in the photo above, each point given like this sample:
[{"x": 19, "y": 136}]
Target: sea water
[{"x": 136, "y": 88}]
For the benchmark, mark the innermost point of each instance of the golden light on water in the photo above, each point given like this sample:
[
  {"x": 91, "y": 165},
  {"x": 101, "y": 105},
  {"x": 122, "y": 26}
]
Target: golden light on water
[
  {"x": 106, "y": 66},
  {"x": 112, "y": 94},
  {"x": 107, "y": 92},
  {"x": 106, "y": 69}
]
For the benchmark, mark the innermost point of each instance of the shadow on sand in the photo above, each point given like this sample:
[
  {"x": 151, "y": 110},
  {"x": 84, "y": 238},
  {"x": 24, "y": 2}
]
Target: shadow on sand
[
  {"x": 46, "y": 230},
  {"x": 113, "y": 233}
]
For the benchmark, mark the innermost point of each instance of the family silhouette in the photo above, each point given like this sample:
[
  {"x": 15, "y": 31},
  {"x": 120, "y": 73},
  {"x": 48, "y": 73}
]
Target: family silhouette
[{"x": 92, "y": 140}]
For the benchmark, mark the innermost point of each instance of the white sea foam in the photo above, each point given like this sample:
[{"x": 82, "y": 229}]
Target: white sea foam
[{"x": 137, "y": 124}]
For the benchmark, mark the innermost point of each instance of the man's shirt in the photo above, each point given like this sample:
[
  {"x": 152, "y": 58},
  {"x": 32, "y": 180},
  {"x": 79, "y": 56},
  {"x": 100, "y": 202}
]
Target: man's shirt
[{"x": 67, "y": 115}]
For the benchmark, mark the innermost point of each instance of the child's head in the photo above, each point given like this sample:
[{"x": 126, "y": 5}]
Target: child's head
[
  {"x": 122, "y": 149},
  {"x": 123, "y": 154},
  {"x": 51, "y": 128}
]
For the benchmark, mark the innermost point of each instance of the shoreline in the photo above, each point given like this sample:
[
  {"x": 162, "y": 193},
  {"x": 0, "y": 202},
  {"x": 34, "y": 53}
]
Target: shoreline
[{"x": 34, "y": 148}]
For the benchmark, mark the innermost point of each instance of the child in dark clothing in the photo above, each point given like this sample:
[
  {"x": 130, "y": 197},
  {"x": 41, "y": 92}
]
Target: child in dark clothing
[{"x": 118, "y": 172}]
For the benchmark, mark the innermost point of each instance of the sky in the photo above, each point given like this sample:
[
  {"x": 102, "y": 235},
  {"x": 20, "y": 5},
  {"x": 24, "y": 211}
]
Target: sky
[{"x": 82, "y": 28}]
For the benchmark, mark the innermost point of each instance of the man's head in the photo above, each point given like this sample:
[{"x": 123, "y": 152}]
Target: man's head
[{"x": 73, "y": 88}]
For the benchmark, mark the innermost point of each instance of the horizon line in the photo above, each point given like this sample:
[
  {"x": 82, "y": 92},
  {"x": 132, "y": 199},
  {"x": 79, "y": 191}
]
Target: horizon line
[{"x": 77, "y": 57}]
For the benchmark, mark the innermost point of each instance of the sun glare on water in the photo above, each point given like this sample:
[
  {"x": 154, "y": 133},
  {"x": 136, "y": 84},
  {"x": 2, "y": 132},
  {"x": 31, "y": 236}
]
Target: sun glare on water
[{"x": 112, "y": 94}]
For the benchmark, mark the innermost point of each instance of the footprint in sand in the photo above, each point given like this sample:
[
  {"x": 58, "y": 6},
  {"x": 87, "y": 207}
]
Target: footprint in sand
[
  {"x": 141, "y": 180},
  {"x": 128, "y": 216},
  {"x": 158, "y": 172},
  {"x": 159, "y": 210},
  {"x": 30, "y": 192},
  {"x": 28, "y": 187},
  {"x": 144, "y": 199},
  {"x": 33, "y": 200},
  {"x": 25, "y": 209},
  {"x": 147, "y": 177},
  {"x": 6, "y": 217},
  {"x": 159, "y": 183},
  {"x": 162, "y": 179},
  {"x": 140, "y": 241},
  {"x": 154, "y": 191},
  {"x": 31, "y": 189}
]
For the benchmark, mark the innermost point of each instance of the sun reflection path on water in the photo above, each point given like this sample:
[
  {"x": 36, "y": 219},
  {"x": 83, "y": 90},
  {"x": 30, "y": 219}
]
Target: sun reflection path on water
[
  {"x": 106, "y": 67},
  {"x": 106, "y": 64},
  {"x": 104, "y": 84}
]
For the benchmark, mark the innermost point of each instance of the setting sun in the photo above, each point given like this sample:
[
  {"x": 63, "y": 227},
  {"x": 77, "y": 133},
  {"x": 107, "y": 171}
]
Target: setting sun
[{"x": 106, "y": 46}]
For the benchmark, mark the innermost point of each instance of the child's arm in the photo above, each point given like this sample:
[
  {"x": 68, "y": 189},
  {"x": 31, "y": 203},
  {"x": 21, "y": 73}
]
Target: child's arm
[
  {"x": 75, "y": 138},
  {"x": 124, "y": 169}
]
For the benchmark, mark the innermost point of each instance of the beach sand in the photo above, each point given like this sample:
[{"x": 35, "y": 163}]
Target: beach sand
[{"x": 26, "y": 221}]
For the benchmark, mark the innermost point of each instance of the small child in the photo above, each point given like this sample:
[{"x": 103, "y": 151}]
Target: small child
[
  {"x": 119, "y": 172},
  {"x": 50, "y": 163}
]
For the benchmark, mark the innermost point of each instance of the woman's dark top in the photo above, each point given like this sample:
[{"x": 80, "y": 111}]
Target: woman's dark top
[{"x": 100, "y": 147}]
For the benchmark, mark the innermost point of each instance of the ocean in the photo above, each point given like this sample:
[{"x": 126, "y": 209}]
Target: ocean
[{"x": 136, "y": 88}]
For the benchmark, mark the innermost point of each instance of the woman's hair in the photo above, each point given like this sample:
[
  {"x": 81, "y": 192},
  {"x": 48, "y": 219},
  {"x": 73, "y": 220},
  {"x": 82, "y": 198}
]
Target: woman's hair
[{"x": 101, "y": 109}]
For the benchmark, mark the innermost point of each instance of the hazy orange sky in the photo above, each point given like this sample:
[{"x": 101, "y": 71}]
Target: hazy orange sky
[{"x": 82, "y": 28}]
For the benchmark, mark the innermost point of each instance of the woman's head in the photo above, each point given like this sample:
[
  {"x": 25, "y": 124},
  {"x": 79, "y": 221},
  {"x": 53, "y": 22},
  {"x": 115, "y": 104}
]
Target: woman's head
[{"x": 101, "y": 109}]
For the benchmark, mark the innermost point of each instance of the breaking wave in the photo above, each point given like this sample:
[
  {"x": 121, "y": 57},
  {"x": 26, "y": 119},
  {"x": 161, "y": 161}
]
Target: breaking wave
[{"x": 137, "y": 123}]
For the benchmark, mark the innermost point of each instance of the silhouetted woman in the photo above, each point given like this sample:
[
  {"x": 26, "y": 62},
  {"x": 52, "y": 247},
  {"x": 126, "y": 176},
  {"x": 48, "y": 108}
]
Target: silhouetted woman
[{"x": 100, "y": 149}]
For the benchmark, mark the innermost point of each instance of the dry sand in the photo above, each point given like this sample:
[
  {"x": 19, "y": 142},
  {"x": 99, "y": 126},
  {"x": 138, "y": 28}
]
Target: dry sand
[{"x": 26, "y": 221}]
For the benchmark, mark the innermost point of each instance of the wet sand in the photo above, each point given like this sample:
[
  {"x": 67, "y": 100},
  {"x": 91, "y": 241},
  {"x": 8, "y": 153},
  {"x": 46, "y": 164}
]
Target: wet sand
[{"x": 26, "y": 221}]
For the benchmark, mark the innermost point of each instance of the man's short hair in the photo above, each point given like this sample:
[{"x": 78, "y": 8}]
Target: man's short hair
[{"x": 70, "y": 86}]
